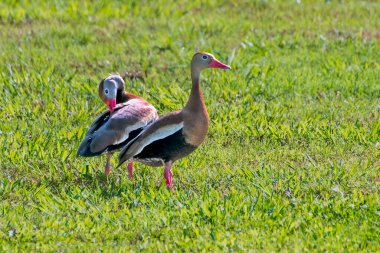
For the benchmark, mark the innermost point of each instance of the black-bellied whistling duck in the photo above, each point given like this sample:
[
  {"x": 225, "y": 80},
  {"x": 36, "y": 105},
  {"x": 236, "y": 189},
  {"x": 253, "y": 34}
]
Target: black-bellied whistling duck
[
  {"x": 178, "y": 133},
  {"x": 128, "y": 115}
]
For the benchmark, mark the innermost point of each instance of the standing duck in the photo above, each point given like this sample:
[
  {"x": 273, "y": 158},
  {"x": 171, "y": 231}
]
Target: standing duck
[
  {"x": 178, "y": 133},
  {"x": 128, "y": 115}
]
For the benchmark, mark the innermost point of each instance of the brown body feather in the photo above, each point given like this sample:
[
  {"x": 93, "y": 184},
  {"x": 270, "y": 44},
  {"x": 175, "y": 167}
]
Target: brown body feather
[{"x": 192, "y": 122}]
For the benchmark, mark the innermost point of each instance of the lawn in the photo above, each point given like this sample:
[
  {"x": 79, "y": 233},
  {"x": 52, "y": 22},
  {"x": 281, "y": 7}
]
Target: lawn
[{"x": 292, "y": 158}]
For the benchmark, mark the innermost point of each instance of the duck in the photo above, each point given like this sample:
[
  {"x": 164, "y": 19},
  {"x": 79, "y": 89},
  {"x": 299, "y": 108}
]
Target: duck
[
  {"x": 178, "y": 133},
  {"x": 127, "y": 116}
]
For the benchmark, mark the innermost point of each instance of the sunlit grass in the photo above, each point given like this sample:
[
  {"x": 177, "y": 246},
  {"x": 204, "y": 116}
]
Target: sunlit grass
[{"x": 292, "y": 156}]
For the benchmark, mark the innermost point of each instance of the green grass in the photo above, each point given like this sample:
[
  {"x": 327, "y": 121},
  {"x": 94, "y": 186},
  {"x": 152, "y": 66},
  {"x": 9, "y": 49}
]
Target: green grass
[{"x": 292, "y": 159}]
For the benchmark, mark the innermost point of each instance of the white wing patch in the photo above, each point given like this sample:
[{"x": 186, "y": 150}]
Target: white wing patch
[
  {"x": 128, "y": 130},
  {"x": 159, "y": 134}
]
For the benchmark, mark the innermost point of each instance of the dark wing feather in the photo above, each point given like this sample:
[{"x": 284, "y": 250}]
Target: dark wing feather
[
  {"x": 103, "y": 118},
  {"x": 170, "y": 148},
  {"x": 111, "y": 132},
  {"x": 84, "y": 147},
  {"x": 159, "y": 129}
]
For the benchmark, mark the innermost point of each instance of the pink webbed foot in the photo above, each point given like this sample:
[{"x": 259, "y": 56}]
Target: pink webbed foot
[
  {"x": 130, "y": 170},
  {"x": 168, "y": 174}
]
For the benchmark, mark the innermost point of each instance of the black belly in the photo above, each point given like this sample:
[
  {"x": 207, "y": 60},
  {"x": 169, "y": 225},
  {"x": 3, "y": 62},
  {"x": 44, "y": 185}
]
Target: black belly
[{"x": 168, "y": 149}]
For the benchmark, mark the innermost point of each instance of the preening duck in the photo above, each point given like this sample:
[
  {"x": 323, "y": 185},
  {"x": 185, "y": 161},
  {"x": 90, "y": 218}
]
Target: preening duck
[
  {"x": 128, "y": 115},
  {"x": 178, "y": 133}
]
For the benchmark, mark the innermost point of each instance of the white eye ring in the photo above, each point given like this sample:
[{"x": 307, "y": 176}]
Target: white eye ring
[
  {"x": 106, "y": 91},
  {"x": 204, "y": 57}
]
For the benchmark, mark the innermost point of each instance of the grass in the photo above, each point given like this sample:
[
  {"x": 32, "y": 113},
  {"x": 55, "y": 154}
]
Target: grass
[{"x": 292, "y": 158}]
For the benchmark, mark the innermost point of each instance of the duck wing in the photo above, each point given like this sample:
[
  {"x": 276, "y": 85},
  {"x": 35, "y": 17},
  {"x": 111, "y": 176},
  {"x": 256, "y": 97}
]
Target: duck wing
[
  {"x": 112, "y": 131},
  {"x": 155, "y": 139}
]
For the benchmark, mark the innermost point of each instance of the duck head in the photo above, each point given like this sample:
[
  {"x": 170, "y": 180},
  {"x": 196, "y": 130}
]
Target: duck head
[
  {"x": 108, "y": 90},
  {"x": 203, "y": 60}
]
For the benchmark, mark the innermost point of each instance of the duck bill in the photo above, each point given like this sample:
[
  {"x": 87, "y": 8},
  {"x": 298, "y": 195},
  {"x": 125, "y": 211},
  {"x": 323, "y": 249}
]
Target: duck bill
[
  {"x": 217, "y": 64},
  {"x": 111, "y": 104}
]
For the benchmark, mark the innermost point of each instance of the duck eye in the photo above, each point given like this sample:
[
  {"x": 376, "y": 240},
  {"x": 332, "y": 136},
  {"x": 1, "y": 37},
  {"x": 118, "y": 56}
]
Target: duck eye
[
  {"x": 106, "y": 91},
  {"x": 204, "y": 57}
]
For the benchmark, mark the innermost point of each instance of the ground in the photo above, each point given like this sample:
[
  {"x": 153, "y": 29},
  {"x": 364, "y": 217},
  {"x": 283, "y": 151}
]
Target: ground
[{"x": 291, "y": 161}]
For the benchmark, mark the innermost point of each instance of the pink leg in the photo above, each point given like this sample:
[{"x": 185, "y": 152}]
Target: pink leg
[
  {"x": 168, "y": 175},
  {"x": 108, "y": 168},
  {"x": 130, "y": 170}
]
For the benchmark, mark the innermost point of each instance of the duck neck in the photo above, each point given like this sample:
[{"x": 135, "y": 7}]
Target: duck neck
[
  {"x": 122, "y": 96},
  {"x": 195, "y": 102}
]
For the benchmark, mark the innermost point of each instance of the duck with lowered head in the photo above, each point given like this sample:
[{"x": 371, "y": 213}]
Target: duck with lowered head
[{"x": 127, "y": 116}]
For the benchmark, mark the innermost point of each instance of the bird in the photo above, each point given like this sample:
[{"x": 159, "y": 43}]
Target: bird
[
  {"x": 126, "y": 117},
  {"x": 178, "y": 133}
]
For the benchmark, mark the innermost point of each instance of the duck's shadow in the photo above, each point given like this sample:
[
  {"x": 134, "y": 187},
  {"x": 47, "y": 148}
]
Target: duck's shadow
[{"x": 118, "y": 184}]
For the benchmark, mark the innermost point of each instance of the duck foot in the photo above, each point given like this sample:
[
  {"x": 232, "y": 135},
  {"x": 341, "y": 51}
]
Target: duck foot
[
  {"x": 108, "y": 168},
  {"x": 168, "y": 175},
  {"x": 130, "y": 170}
]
